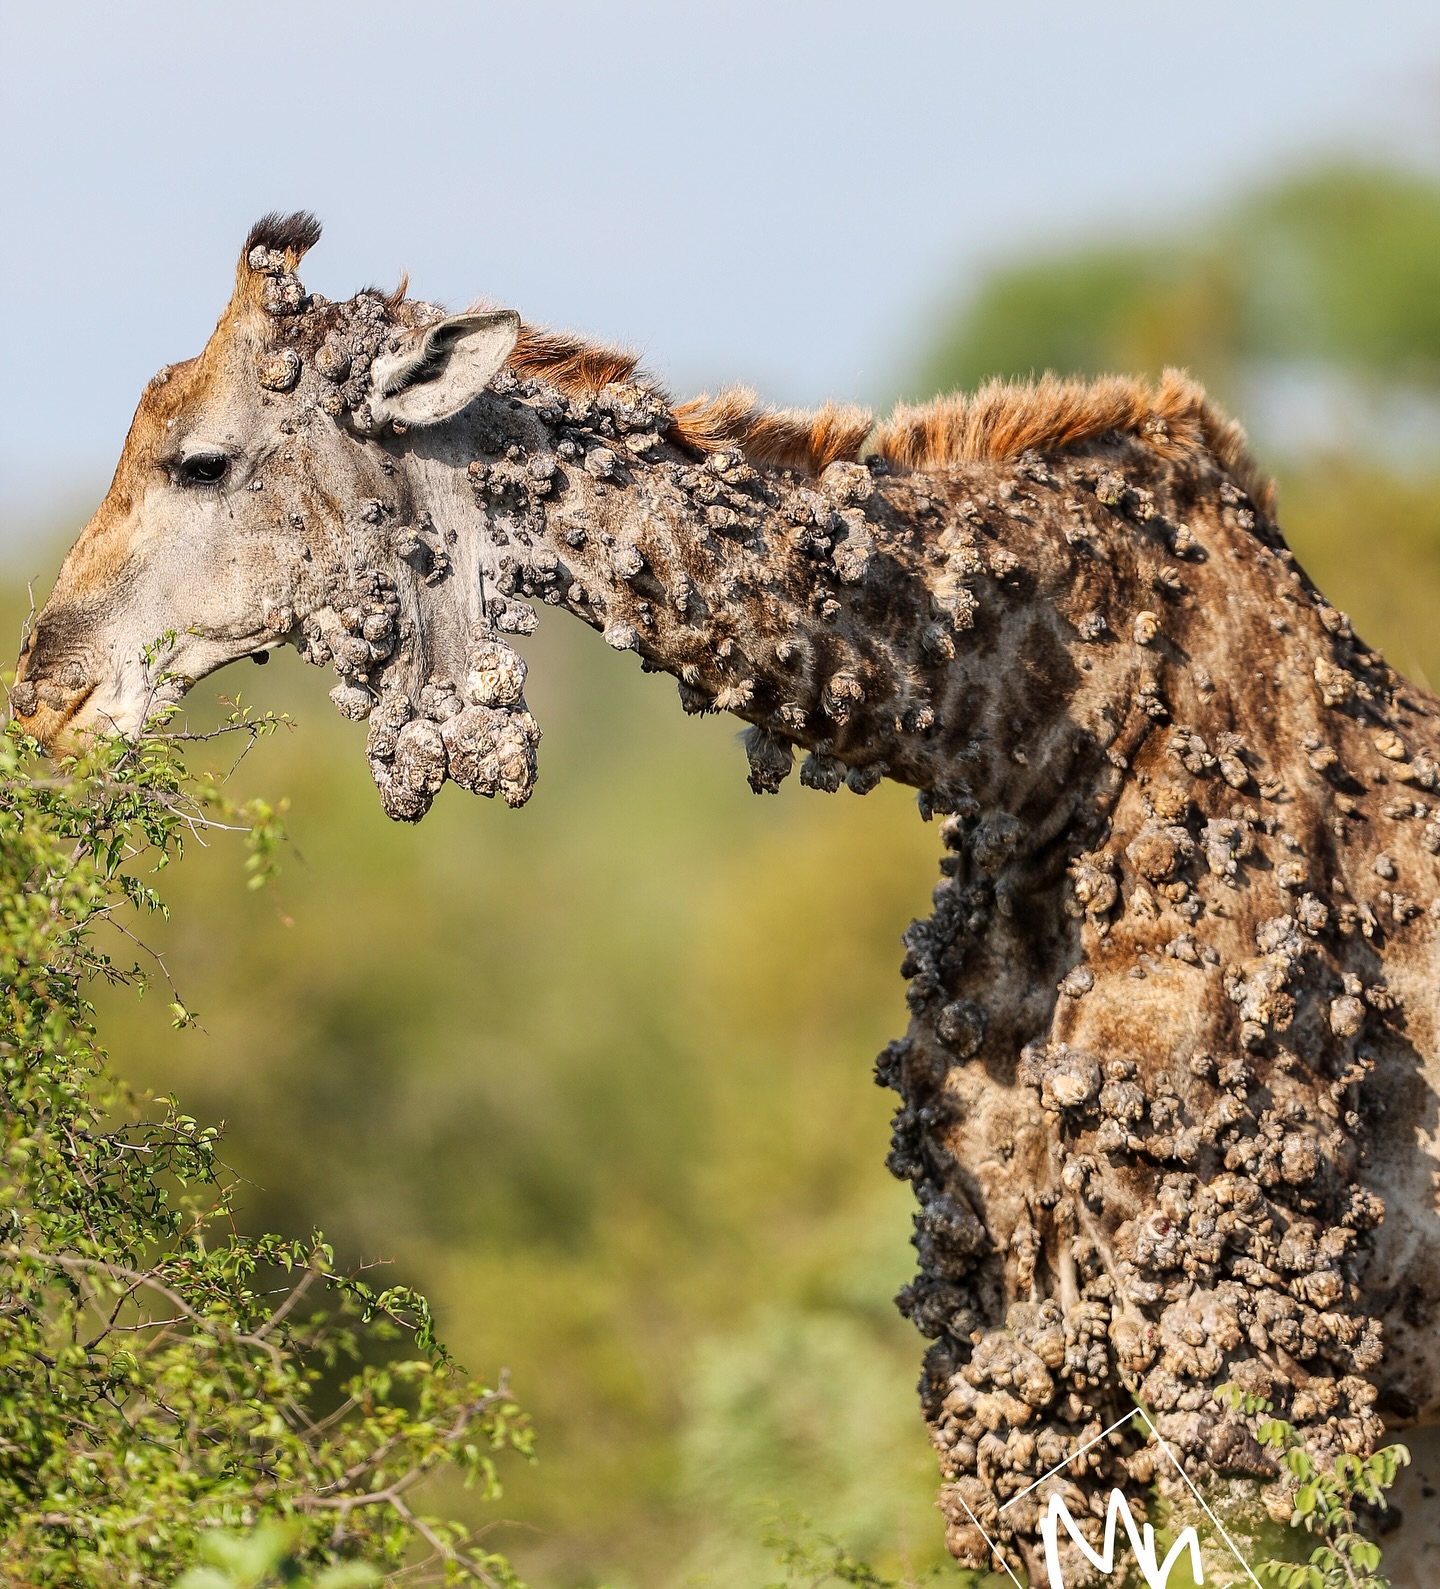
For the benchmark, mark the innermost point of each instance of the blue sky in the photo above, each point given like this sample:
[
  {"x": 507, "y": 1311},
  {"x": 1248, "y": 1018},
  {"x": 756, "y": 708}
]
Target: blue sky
[{"x": 772, "y": 192}]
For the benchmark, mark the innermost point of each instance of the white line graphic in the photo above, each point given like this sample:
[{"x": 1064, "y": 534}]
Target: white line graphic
[
  {"x": 1179, "y": 1468},
  {"x": 1078, "y": 1452},
  {"x": 1143, "y": 1543}
]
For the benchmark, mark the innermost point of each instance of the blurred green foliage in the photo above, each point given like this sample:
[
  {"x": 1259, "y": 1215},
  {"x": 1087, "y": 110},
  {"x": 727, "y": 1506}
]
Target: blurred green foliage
[
  {"x": 264, "y": 1558},
  {"x": 597, "y": 1073},
  {"x": 1337, "y": 267}
]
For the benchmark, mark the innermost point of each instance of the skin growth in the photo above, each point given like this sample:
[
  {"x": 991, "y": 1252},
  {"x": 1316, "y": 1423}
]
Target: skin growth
[{"x": 1168, "y": 1095}]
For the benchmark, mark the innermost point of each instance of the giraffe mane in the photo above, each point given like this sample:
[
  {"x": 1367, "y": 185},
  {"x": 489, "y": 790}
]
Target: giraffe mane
[
  {"x": 1003, "y": 419},
  {"x": 999, "y": 421}
]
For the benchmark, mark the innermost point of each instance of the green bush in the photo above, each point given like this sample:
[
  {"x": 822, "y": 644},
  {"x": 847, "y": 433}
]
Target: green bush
[
  {"x": 161, "y": 1376},
  {"x": 1326, "y": 1502}
]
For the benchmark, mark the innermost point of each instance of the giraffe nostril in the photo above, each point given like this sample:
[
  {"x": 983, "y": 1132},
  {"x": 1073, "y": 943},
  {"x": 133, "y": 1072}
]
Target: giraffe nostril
[{"x": 72, "y": 676}]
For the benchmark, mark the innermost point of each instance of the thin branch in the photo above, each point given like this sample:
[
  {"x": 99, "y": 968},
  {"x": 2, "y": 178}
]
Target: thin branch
[
  {"x": 159, "y": 960},
  {"x": 297, "y": 1291},
  {"x": 122, "y": 1272}
]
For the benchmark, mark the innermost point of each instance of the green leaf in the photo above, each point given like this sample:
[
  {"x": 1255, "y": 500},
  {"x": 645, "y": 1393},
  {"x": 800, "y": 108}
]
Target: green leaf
[
  {"x": 1365, "y": 1554},
  {"x": 1299, "y": 1463}
]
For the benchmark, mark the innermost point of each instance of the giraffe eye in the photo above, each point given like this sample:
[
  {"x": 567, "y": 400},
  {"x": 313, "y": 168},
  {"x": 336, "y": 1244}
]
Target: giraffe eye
[{"x": 203, "y": 468}]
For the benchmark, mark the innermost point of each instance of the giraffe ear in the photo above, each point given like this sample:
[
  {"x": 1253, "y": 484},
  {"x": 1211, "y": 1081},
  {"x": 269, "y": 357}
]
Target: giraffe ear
[{"x": 445, "y": 371}]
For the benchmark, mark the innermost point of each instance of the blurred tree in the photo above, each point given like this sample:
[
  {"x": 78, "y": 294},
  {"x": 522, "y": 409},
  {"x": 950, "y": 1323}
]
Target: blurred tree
[
  {"x": 1338, "y": 266},
  {"x": 563, "y": 1065}
]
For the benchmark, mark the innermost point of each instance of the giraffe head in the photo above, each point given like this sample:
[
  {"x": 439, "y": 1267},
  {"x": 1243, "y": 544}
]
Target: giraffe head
[{"x": 237, "y": 517}]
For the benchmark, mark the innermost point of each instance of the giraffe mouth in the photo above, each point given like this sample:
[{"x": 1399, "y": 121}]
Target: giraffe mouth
[{"x": 53, "y": 726}]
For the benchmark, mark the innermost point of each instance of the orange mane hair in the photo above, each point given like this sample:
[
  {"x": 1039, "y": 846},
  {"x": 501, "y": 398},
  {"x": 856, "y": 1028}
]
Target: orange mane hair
[
  {"x": 1005, "y": 418},
  {"x": 569, "y": 363},
  {"x": 785, "y": 438},
  {"x": 999, "y": 421}
]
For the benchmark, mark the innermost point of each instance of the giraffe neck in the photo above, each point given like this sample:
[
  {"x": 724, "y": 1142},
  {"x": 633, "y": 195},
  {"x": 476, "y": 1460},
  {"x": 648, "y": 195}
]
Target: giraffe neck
[{"x": 872, "y": 621}]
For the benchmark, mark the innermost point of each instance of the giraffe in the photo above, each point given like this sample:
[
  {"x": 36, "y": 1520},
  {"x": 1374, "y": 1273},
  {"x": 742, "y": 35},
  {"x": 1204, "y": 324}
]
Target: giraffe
[{"x": 1167, "y": 1099}]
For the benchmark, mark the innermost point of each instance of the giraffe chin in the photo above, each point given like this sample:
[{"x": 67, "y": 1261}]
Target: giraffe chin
[
  {"x": 99, "y": 712},
  {"x": 64, "y": 729}
]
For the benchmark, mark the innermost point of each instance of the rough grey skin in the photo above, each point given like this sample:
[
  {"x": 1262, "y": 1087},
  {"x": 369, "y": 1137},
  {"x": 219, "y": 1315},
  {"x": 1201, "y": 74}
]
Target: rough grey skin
[{"x": 1168, "y": 1094}]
